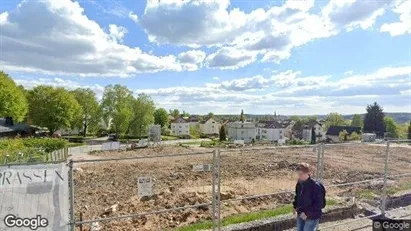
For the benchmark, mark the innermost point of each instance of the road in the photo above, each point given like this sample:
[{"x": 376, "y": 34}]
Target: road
[{"x": 76, "y": 152}]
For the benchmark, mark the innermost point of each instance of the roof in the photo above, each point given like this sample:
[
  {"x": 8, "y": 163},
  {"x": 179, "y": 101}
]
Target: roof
[
  {"x": 17, "y": 127},
  {"x": 193, "y": 119},
  {"x": 335, "y": 130},
  {"x": 276, "y": 123},
  {"x": 179, "y": 120}
]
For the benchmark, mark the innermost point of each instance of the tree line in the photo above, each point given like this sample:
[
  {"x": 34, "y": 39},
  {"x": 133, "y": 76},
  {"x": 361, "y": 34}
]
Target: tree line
[{"x": 55, "y": 108}]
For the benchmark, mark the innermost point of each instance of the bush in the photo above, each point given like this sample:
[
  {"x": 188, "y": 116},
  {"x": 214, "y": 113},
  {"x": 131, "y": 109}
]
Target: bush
[
  {"x": 295, "y": 142},
  {"x": 208, "y": 144},
  {"x": 32, "y": 148}
]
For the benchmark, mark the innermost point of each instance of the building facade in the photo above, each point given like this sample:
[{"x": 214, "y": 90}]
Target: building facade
[
  {"x": 180, "y": 127},
  {"x": 238, "y": 130},
  {"x": 210, "y": 127}
]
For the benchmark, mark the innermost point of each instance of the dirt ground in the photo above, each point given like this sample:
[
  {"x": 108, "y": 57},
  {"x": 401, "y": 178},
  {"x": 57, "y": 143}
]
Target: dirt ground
[{"x": 106, "y": 189}]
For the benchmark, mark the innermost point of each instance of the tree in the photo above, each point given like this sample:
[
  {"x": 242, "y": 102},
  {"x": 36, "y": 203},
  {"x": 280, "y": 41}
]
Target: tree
[
  {"x": 210, "y": 115},
  {"x": 334, "y": 119},
  {"x": 357, "y": 121},
  {"x": 52, "y": 108},
  {"x": 195, "y": 131},
  {"x": 242, "y": 117},
  {"x": 13, "y": 102},
  {"x": 343, "y": 135},
  {"x": 222, "y": 133},
  {"x": 90, "y": 115},
  {"x": 354, "y": 136},
  {"x": 175, "y": 113},
  {"x": 391, "y": 127},
  {"x": 143, "y": 115},
  {"x": 313, "y": 138},
  {"x": 161, "y": 117},
  {"x": 117, "y": 108},
  {"x": 409, "y": 131},
  {"x": 374, "y": 120}
]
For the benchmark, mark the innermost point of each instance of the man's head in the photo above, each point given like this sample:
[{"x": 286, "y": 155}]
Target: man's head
[{"x": 303, "y": 171}]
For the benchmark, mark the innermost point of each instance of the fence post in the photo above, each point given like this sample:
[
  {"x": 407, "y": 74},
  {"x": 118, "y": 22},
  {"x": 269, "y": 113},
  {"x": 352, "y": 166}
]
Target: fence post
[
  {"x": 216, "y": 191},
  {"x": 384, "y": 189},
  {"x": 71, "y": 196},
  {"x": 317, "y": 149},
  {"x": 321, "y": 162}
]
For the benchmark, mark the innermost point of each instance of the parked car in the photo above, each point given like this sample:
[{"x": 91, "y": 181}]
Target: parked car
[{"x": 112, "y": 137}]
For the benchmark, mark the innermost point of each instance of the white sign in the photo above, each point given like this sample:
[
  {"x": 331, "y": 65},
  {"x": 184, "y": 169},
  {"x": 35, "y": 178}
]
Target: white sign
[
  {"x": 145, "y": 186},
  {"x": 36, "y": 193},
  {"x": 202, "y": 168},
  {"x": 154, "y": 133},
  {"x": 108, "y": 146},
  {"x": 240, "y": 142}
]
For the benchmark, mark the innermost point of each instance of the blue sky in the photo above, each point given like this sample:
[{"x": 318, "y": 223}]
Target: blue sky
[{"x": 292, "y": 56}]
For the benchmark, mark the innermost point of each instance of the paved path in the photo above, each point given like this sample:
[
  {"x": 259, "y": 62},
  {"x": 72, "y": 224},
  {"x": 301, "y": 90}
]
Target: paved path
[{"x": 80, "y": 151}]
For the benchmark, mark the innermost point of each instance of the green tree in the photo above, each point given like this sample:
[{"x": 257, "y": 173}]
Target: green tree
[
  {"x": 53, "y": 108},
  {"x": 242, "y": 116},
  {"x": 210, "y": 115},
  {"x": 13, "y": 101},
  {"x": 391, "y": 127},
  {"x": 90, "y": 115},
  {"x": 313, "y": 137},
  {"x": 117, "y": 108},
  {"x": 354, "y": 136},
  {"x": 374, "y": 120},
  {"x": 222, "y": 133},
  {"x": 195, "y": 131},
  {"x": 175, "y": 113},
  {"x": 343, "y": 135},
  {"x": 143, "y": 115},
  {"x": 409, "y": 131},
  {"x": 334, "y": 119},
  {"x": 357, "y": 121},
  {"x": 161, "y": 117}
]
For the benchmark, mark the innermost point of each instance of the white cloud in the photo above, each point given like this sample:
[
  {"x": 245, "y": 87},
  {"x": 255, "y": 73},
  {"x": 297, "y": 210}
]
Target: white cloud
[
  {"x": 133, "y": 16},
  {"x": 290, "y": 92},
  {"x": 230, "y": 58},
  {"x": 351, "y": 14},
  {"x": 216, "y": 78},
  {"x": 403, "y": 26},
  {"x": 55, "y": 37},
  {"x": 117, "y": 32},
  {"x": 60, "y": 82}
]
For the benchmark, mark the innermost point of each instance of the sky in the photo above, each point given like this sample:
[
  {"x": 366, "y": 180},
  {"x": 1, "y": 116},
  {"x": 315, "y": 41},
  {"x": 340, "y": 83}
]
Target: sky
[{"x": 292, "y": 57}]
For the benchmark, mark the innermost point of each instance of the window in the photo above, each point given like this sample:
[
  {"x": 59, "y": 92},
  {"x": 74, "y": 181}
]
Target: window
[
  {"x": 174, "y": 126},
  {"x": 242, "y": 132},
  {"x": 281, "y": 131},
  {"x": 281, "y": 136},
  {"x": 242, "y": 126},
  {"x": 179, "y": 126},
  {"x": 212, "y": 126}
]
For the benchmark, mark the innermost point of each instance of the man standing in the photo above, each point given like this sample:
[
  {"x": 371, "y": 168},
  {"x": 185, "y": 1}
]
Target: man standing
[{"x": 309, "y": 199}]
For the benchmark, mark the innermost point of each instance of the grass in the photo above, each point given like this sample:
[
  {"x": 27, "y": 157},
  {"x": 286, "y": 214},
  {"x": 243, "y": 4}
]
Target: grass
[
  {"x": 191, "y": 143},
  {"x": 366, "y": 194},
  {"x": 70, "y": 145},
  {"x": 164, "y": 138},
  {"x": 247, "y": 217},
  {"x": 371, "y": 194},
  {"x": 398, "y": 188}
]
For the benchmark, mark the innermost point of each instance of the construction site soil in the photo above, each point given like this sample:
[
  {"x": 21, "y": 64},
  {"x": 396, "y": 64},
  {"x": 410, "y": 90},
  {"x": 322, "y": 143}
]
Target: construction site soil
[{"x": 109, "y": 188}]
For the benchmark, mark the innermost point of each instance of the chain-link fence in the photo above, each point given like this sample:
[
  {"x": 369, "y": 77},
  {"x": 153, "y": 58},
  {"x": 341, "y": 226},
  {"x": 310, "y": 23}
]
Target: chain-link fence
[{"x": 213, "y": 189}]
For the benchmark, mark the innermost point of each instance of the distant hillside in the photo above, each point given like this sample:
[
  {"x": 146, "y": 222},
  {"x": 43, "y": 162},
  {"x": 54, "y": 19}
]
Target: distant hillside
[{"x": 399, "y": 117}]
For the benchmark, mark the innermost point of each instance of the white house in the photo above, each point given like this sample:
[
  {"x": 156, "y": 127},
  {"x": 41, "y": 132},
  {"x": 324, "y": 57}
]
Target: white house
[
  {"x": 209, "y": 127},
  {"x": 271, "y": 131},
  {"x": 238, "y": 130},
  {"x": 318, "y": 129},
  {"x": 193, "y": 120},
  {"x": 180, "y": 127}
]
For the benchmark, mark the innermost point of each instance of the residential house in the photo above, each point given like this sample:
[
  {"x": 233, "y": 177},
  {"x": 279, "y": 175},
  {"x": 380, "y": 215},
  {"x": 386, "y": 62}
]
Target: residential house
[
  {"x": 10, "y": 129},
  {"x": 304, "y": 132},
  {"x": 274, "y": 130},
  {"x": 333, "y": 132},
  {"x": 209, "y": 127},
  {"x": 193, "y": 120},
  {"x": 318, "y": 130},
  {"x": 239, "y": 130},
  {"x": 180, "y": 127}
]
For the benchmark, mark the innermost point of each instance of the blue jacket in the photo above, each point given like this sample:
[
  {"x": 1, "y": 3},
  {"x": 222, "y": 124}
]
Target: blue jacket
[{"x": 309, "y": 198}]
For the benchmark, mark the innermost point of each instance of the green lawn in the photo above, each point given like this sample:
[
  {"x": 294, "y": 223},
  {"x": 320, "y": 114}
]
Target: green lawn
[
  {"x": 164, "y": 138},
  {"x": 247, "y": 217}
]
